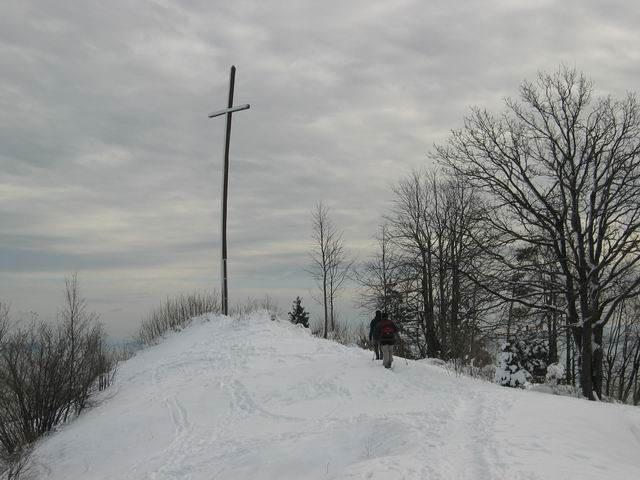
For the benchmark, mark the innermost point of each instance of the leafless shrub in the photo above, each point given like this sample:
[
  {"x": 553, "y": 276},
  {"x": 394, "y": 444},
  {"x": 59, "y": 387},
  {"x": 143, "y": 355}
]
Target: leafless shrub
[
  {"x": 372, "y": 445},
  {"x": 360, "y": 335},
  {"x": 481, "y": 372},
  {"x": 124, "y": 351},
  {"x": 253, "y": 305},
  {"x": 341, "y": 333},
  {"x": 175, "y": 314},
  {"x": 47, "y": 375},
  {"x": 346, "y": 334},
  {"x": 16, "y": 465}
]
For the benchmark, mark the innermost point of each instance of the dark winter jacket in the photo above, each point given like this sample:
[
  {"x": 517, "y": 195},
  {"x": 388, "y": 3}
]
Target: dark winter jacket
[
  {"x": 372, "y": 326},
  {"x": 381, "y": 326}
]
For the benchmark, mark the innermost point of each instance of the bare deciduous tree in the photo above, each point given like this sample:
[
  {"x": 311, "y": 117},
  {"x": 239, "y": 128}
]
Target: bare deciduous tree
[
  {"x": 563, "y": 172},
  {"x": 437, "y": 227},
  {"x": 412, "y": 233},
  {"x": 77, "y": 322},
  {"x": 378, "y": 276},
  {"x": 330, "y": 265}
]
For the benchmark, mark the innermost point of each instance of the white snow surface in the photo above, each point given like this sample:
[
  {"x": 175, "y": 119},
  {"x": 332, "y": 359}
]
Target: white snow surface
[{"x": 251, "y": 398}]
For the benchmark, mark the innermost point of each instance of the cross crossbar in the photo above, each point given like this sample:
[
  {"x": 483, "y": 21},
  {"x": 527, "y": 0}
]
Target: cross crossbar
[{"x": 229, "y": 110}]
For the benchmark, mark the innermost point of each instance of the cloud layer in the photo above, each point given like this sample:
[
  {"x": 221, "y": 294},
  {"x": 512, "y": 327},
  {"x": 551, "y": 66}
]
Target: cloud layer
[{"x": 109, "y": 165}]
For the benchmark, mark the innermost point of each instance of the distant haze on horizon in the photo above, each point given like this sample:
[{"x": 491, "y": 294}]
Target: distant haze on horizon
[{"x": 111, "y": 168}]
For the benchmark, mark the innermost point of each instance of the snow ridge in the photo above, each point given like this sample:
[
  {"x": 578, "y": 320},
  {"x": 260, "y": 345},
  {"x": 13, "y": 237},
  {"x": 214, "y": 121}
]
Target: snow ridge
[{"x": 251, "y": 398}]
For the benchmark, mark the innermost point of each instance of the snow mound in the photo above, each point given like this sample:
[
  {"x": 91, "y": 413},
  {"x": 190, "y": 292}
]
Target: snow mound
[{"x": 252, "y": 398}]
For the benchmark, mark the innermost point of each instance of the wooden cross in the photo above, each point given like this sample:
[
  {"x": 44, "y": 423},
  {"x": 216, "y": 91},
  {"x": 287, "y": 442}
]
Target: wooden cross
[{"x": 225, "y": 184}]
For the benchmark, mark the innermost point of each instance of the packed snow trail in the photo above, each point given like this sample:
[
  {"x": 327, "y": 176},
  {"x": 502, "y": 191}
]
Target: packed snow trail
[{"x": 256, "y": 399}]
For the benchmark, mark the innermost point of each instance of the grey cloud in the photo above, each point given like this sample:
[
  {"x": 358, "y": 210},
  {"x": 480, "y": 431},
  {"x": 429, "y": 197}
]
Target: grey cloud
[{"x": 108, "y": 161}]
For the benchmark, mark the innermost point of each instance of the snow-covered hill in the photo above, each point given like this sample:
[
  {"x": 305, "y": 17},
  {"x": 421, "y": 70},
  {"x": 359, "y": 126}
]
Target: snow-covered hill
[{"x": 255, "y": 399}]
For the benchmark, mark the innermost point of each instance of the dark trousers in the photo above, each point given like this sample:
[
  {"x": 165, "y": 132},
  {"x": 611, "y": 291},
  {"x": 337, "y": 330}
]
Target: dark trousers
[{"x": 376, "y": 348}]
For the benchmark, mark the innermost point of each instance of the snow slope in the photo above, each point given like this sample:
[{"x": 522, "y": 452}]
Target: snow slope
[{"x": 254, "y": 399}]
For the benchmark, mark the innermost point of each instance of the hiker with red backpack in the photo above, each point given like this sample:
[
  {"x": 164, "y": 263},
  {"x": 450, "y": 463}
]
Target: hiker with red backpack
[{"x": 386, "y": 332}]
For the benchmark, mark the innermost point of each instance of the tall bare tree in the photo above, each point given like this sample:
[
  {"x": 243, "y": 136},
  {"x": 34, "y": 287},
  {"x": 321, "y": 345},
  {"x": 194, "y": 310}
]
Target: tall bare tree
[
  {"x": 76, "y": 322},
  {"x": 563, "y": 172},
  {"x": 436, "y": 225},
  {"x": 412, "y": 233},
  {"x": 459, "y": 230},
  {"x": 378, "y": 276},
  {"x": 330, "y": 264},
  {"x": 339, "y": 267}
]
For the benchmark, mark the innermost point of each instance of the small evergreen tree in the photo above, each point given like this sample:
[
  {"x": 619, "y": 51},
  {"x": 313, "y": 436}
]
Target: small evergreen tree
[
  {"x": 298, "y": 314},
  {"x": 534, "y": 355},
  {"x": 510, "y": 372},
  {"x": 522, "y": 360}
]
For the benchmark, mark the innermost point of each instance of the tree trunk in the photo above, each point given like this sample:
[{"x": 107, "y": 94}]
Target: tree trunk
[
  {"x": 456, "y": 341},
  {"x": 585, "y": 362},
  {"x": 570, "y": 380},
  {"x": 509, "y": 319},
  {"x": 332, "y": 314},
  {"x": 597, "y": 361},
  {"x": 553, "y": 337},
  {"x": 326, "y": 313},
  {"x": 427, "y": 299}
]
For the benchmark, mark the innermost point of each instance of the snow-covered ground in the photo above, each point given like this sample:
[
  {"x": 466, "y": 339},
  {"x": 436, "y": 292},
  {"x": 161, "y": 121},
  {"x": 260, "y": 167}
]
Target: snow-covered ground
[{"x": 255, "y": 399}]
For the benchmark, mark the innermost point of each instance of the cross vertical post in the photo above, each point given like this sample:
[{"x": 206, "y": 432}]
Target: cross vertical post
[{"x": 225, "y": 185}]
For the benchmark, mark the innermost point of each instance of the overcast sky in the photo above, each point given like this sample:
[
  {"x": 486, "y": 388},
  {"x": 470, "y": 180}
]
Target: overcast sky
[{"x": 110, "y": 167}]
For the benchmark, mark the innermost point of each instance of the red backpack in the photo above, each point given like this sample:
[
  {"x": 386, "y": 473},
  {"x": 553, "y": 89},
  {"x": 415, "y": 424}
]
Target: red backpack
[{"x": 387, "y": 331}]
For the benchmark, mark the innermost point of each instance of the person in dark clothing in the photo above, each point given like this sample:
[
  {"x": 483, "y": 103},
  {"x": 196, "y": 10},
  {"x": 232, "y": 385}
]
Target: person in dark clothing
[
  {"x": 385, "y": 331},
  {"x": 374, "y": 339}
]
